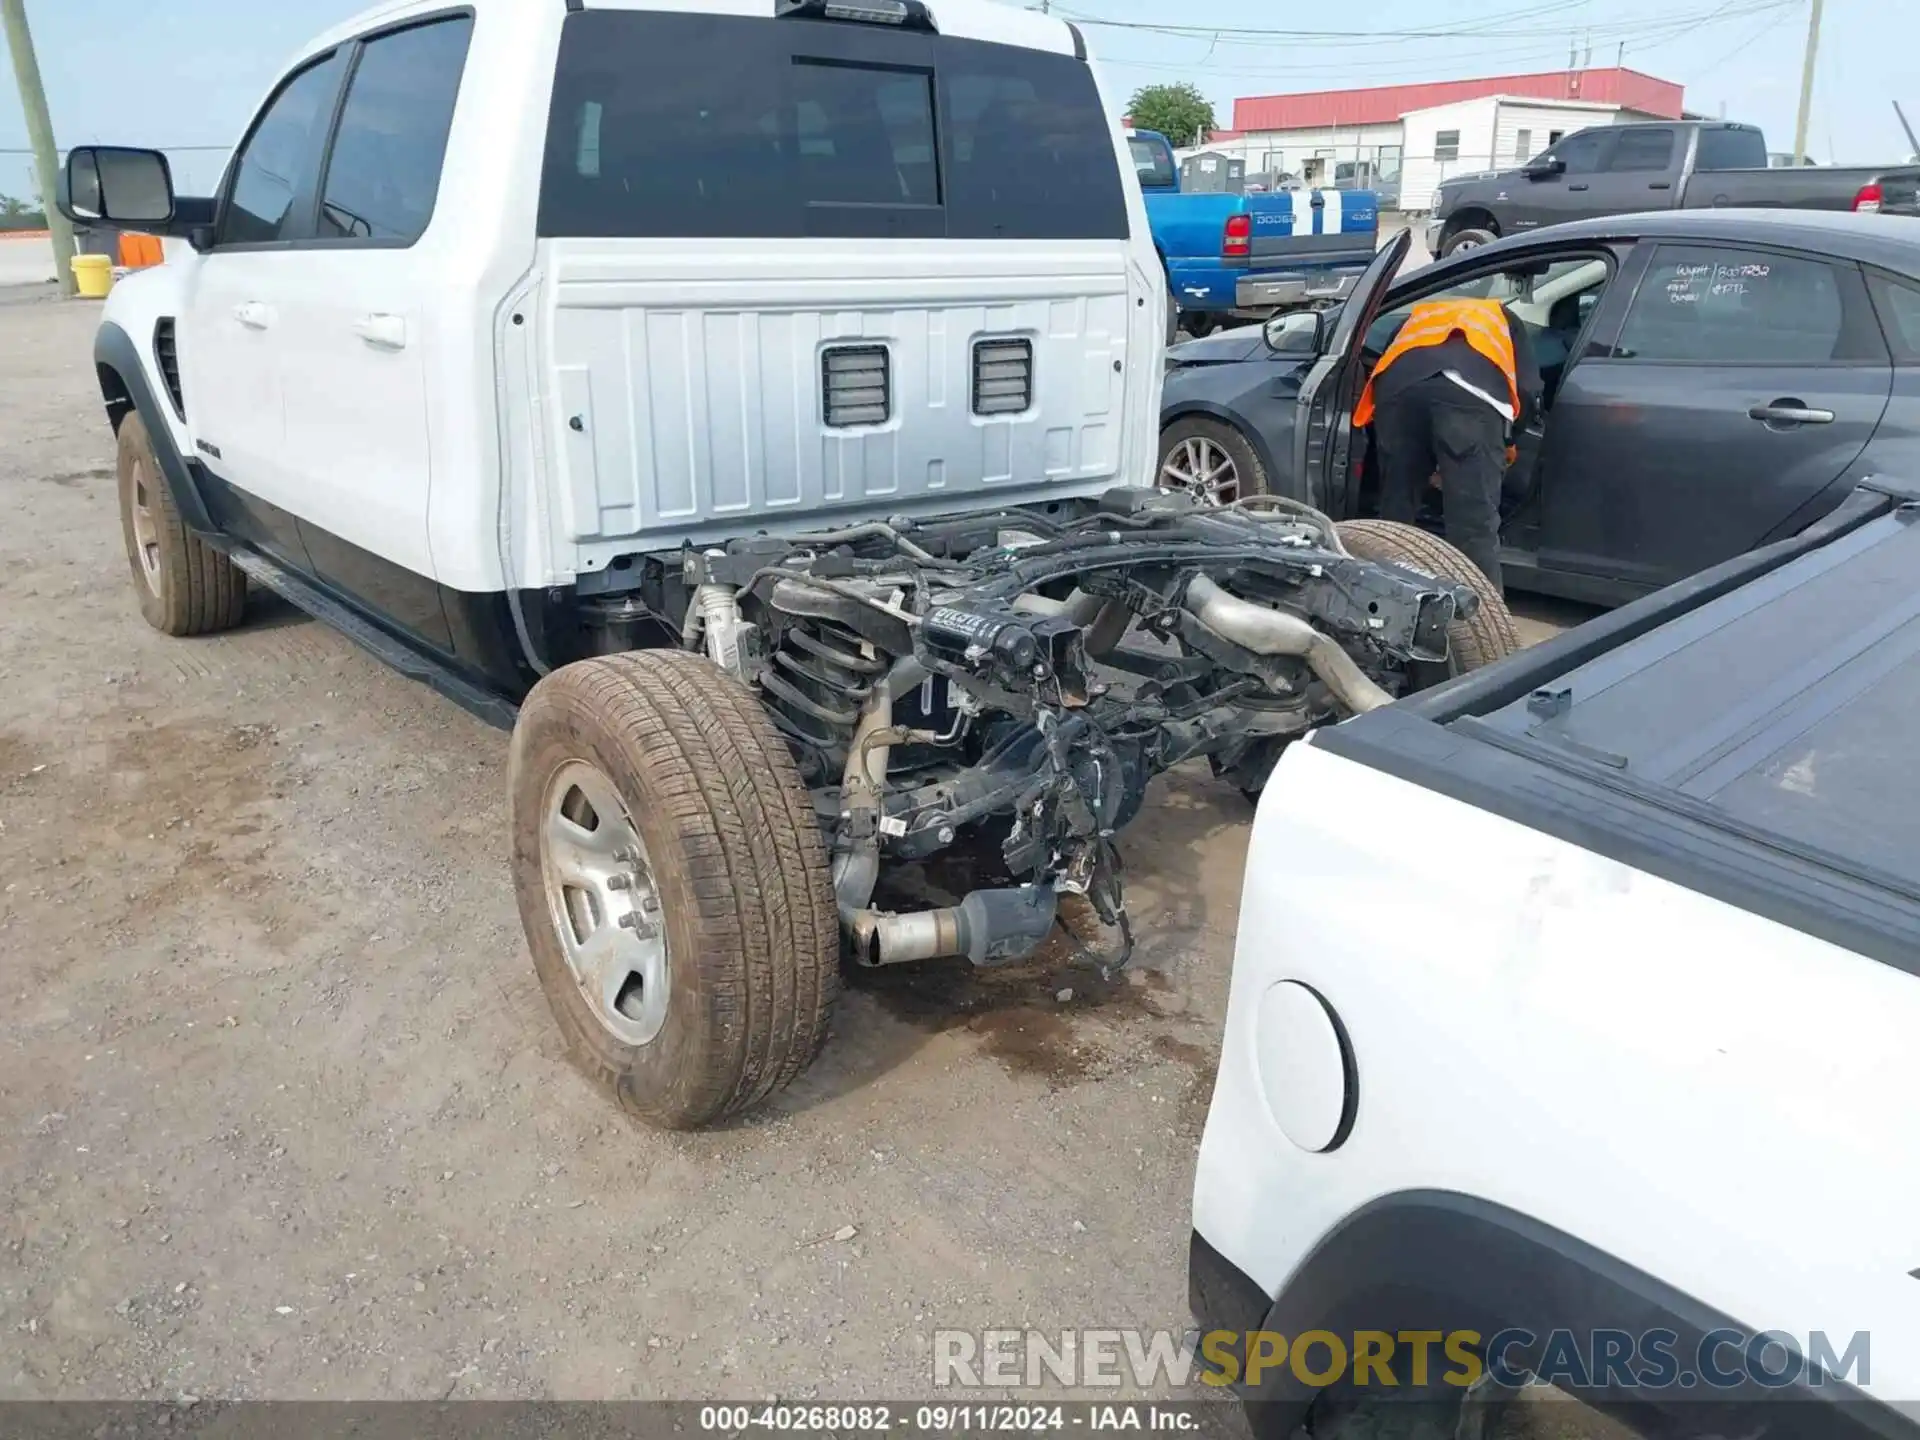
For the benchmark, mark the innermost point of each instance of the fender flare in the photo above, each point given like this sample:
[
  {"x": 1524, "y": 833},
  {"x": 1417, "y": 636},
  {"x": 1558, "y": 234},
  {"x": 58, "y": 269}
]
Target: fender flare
[
  {"x": 1431, "y": 1260},
  {"x": 116, "y": 356}
]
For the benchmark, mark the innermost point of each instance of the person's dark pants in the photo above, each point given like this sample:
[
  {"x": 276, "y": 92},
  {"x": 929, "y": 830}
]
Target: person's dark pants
[{"x": 1435, "y": 425}]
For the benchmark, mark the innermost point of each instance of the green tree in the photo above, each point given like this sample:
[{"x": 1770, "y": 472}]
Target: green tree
[
  {"x": 18, "y": 214},
  {"x": 1179, "y": 112}
]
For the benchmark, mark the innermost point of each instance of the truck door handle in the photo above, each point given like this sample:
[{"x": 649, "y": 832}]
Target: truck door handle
[
  {"x": 253, "y": 315},
  {"x": 1659, "y": 184},
  {"x": 1789, "y": 412},
  {"x": 382, "y": 332},
  {"x": 1581, "y": 186}
]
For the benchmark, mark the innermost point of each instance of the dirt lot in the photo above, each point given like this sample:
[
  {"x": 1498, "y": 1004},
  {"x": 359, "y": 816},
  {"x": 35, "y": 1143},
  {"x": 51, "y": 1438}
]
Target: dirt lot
[{"x": 283, "y": 1113}]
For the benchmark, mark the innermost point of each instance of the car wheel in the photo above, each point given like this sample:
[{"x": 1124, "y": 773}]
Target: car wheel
[
  {"x": 1469, "y": 239},
  {"x": 672, "y": 884},
  {"x": 185, "y": 586},
  {"x": 1488, "y": 636},
  {"x": 1211, "y": 460}
]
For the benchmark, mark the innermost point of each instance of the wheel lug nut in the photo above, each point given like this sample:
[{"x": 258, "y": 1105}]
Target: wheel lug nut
[{"x": 618, "y": 881}]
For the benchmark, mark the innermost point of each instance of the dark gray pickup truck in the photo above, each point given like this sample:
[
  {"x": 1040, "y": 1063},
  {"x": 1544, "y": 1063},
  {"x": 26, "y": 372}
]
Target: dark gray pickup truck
[{"x": 1668, "y": 165}]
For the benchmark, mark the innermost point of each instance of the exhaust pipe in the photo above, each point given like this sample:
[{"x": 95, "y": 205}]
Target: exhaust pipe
[
  {"x": 863, "y": 786},
  {"x": 1275, "y": 632},
  {"x": 989, "y": 927}
]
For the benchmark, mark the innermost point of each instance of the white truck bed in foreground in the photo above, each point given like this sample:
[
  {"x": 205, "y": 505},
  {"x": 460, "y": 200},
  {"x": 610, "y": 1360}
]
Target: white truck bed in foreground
[{"x": 1619, "y": 948}]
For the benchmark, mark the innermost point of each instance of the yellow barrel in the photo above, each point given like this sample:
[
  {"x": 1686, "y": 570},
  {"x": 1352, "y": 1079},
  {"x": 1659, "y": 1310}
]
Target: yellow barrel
[{"x": 93, "y": 274}]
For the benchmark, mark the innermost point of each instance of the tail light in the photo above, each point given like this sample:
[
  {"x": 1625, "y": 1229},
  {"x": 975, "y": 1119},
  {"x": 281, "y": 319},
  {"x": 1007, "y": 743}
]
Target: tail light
[
  {"x": 1869, "y": 199},
  {"x": 1237, "y": 241}
]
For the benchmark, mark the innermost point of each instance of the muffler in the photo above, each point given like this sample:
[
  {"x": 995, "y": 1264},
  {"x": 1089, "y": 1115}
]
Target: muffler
[{"x": 989, "y": 927}]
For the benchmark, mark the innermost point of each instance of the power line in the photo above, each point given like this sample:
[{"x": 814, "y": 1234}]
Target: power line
[
  {"x": 1745, "y": 45},
  {"x": 1478, "y": 30},
  {"x": 1644, "y": 38}
]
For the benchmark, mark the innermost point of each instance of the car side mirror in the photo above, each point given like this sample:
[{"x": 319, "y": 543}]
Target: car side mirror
[
  {"x": 111, "y": 185},
  {"x": 1544, "y": 169},
  {"x": 1296, "y": 332}
]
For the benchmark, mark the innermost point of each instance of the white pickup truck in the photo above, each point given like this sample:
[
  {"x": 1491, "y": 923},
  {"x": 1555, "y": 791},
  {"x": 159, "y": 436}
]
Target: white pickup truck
[
  {"x": 745, "y": 401},
  {"x": 1572, "y": 1025}
]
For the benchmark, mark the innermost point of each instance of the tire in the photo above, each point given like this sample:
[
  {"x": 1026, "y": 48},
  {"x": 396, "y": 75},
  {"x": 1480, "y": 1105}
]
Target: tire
[
  {"x": 1185, "y": 446},
  {"x": 1489, "y": 635},
  {"x": 1470, "y": 238},
  {"x": 186, "y": 587},
  {"x": 728, "y": 872}
]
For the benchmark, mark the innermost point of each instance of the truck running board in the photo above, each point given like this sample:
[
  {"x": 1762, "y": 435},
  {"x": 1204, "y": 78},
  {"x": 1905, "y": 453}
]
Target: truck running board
[{"x": 381, "y": 643}]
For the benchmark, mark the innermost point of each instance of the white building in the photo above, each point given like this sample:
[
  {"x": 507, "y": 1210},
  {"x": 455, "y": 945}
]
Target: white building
[{"x": 1403, "y": 140}]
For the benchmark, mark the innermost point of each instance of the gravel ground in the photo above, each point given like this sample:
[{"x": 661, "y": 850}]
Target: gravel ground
[{"x": 283, "y": 1112}]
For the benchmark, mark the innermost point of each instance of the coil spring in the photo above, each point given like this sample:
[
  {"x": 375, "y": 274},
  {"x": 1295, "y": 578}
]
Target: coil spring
[{"x": 816, "y": 684}]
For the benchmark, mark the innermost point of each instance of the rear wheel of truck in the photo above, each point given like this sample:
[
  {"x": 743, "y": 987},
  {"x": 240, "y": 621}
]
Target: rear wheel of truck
[
  {"x": 185, "y": 586},
  {"x": 1488, "y": 636},
  {"x": 672, "y": 883}
]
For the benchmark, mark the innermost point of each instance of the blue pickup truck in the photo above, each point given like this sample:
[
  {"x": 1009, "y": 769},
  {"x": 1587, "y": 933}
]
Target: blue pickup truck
[{"x": 1230, "y": 255}]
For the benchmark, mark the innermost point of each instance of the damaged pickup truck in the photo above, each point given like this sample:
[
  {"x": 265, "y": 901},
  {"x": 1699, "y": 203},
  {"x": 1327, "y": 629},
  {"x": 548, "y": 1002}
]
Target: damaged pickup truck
[
  {"x": 706, "y": 825},
  {"x": 757, "y": 450}
]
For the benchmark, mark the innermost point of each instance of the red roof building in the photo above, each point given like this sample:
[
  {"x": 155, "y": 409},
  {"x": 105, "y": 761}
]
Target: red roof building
[{"x": 1384, "y": 104}]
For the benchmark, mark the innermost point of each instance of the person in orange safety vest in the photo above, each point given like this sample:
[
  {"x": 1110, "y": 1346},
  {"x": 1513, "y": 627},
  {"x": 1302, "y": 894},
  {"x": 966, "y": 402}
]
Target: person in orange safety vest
[{"x": 1446, "y": 395}]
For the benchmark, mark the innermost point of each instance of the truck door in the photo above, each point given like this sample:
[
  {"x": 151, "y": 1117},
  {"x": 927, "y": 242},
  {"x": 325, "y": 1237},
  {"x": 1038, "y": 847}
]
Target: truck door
[
  {"x": 1641, "y": 173},
  {"x": 358, "y": 327},
  {"x": 1743, "y": 383},
  {"x": 1559, "y": 184},
  {"x": 231, "y": 329}
]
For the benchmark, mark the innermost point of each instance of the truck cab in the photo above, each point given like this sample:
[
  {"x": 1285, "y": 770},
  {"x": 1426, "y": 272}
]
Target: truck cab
[{"x": 492, "y": 301}]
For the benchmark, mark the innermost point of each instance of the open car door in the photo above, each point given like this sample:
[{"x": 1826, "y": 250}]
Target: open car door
[{"x": 1324, "y": 394}]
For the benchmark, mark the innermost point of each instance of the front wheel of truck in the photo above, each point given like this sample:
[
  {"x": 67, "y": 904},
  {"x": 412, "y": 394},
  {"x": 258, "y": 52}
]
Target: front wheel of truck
[
  {"x": 672, "y": 884},
  {"x": 184, "y": 585}
]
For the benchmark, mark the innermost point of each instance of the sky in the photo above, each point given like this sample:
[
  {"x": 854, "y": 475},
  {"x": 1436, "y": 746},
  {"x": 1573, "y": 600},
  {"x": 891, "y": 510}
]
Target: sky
[{"x": 189, "y": 73}]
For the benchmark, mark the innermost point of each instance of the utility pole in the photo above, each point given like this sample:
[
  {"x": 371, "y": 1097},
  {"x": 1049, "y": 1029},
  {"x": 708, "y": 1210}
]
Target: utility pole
[
  {"x": 1912, "y": 139},
  {"x": 46, "y": 159},
  {"x": 1806, "y": 86}
]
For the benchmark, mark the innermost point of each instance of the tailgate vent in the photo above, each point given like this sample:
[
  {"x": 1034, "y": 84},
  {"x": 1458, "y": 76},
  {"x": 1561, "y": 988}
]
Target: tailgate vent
[
  {"x": 1002, "y": 376},
  {"x": 167, "y": 357},
  {"x": 854, "y": 381}
]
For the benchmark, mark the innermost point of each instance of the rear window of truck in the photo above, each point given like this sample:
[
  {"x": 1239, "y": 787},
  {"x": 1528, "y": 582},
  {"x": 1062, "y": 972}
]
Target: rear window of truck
[
  {"x": 1730, "y": 147},
  {"x": 716, "y": 126},
  {"x": 1152, "y": 162}
]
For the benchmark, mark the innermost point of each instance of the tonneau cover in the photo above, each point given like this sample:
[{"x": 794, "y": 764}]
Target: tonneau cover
[
  {"x": 1747, "y": 733},
  {"x": 1791, "y": 705}
]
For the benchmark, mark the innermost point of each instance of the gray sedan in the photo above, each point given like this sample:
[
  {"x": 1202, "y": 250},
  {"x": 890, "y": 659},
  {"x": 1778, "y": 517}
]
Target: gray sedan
[{"x": 1713, "y": 380}]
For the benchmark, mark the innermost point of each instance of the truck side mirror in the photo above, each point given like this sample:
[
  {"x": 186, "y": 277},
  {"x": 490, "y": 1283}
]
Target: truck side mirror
[
  {"x": 107, "y": 184},
  {"x": 1544, "y": 168}
]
